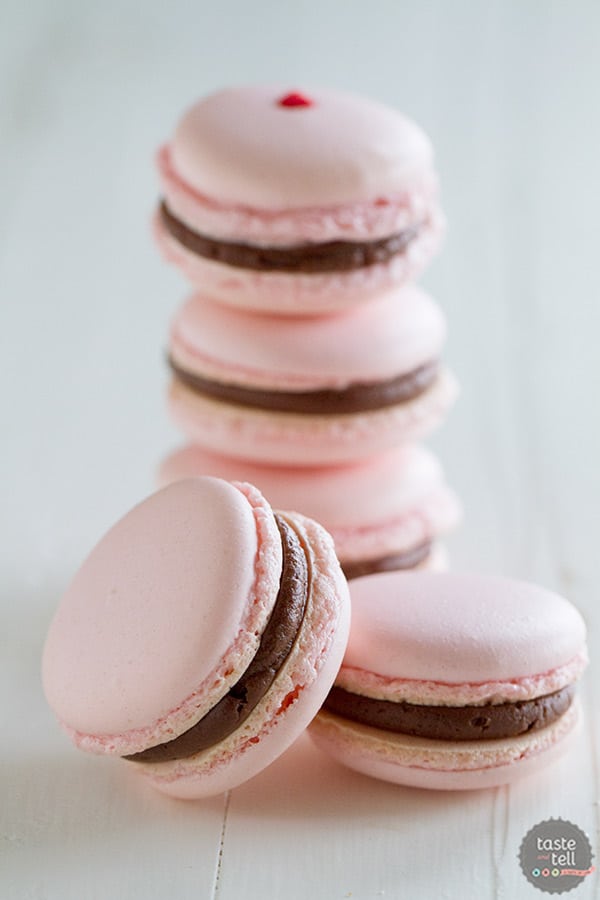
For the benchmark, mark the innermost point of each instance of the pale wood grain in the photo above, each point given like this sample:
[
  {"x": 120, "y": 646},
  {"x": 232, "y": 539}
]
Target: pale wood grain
[
  {"x": 87, "y": 91},
  {"x": 73, "y": 826},
  {"x": 328, "y": 832}
]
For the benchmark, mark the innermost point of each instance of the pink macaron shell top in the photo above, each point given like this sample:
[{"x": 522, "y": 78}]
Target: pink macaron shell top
[
  {"x": 460, "y": 638},
  {"x": 295, "y": 696},
  {"x": 363, "y": 220},
  {"x": 388, "y": 502},
  {"x": 393, "y": 335},
  {"x": 163, "y": 615},
  {"x": 242, "y": 146}
]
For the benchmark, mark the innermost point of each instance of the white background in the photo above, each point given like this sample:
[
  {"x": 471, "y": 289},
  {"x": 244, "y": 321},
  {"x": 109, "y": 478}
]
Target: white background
[{"x": 509, "y": 93}]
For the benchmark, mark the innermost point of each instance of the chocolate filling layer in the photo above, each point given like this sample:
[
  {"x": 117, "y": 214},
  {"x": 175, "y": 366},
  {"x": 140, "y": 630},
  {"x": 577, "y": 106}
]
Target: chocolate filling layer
[
  {"x": 275, "y": 646},
  {"x": 359, "y": 397},
  {"x": 329, "y": 256},
  {"x": 407, "y": 560},
  {"x": 452, "y": 723}
]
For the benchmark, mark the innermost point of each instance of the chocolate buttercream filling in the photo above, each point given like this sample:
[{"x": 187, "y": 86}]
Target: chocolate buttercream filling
[
  {"x": 390, "y": 563},
  {"x": 452, "y": 723},
  {"x": 328, "y": 256},
  {"x": 358, "y": 397},
  {"x": 276, "y": 643}
]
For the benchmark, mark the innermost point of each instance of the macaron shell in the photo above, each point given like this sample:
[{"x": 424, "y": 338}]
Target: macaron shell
[
  {"x": 366, "y": 220},
  {"x": 294, "y": 698},
  {"x": 393, "y": 500},
  {"x": 437, "y": 513},
  {"x": 297, "y": 294},
  {"x": 444, "y": 765},
  {"x": 290, "y": 439},
  {"x": 368, "y": 492},
  {"x": 460, "y": 630},
  {"x": 338, "y": 149},
  {"x": 132, "y": 656},
  {"x": 394, "y": 335}
]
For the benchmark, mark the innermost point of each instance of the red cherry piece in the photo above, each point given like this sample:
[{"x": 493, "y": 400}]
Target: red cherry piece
[{"x": 295, "y": 98}]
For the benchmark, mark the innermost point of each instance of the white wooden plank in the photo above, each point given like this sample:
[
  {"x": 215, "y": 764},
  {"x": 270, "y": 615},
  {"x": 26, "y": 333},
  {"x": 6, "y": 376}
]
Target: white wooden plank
[{"x": 323, "y": 831}]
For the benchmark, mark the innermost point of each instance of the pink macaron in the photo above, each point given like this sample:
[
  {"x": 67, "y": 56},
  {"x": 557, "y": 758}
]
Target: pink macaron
[
  {"x": 199, "y": 637},
  {"x": 297, "y": 202},
  {"x": 385, "y": 512},
  {"x": 454, "y": 681},
  {"x": 314, "y": 390}
]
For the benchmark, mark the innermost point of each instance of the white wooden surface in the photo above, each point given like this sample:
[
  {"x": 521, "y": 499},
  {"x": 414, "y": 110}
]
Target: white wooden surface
[{"x": 509, "y": 93}]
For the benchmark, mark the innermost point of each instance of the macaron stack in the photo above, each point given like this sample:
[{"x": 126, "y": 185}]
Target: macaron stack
[
  {"x": 306, "y": 360},
  {"x": 208, "y": 628}
]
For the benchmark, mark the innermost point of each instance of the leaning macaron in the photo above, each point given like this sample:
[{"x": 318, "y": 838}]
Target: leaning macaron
[
  {"x": 454, "y": 681},
  {"x": 199, "y": 637},
  {"x": 385, "y": 512},
  {"x": 297, "y": 202},
  {"x": 314, "y": 390}
]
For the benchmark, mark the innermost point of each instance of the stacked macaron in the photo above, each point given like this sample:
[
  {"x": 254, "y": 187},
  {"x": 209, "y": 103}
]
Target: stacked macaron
[
  {"x": 207, "y": 628},
  {"x": 305, "y": 356}
]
